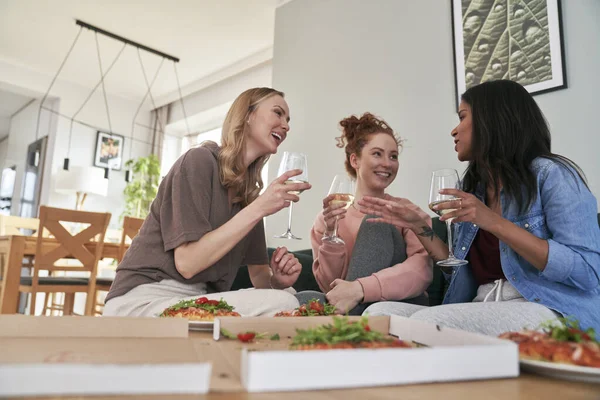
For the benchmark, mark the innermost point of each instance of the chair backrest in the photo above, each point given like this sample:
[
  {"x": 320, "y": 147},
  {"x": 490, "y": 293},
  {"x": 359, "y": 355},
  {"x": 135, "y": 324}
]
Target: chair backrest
[
  {"x": 85, "y": 246},
  {"x": 131, "y": 227},
  {"x": 12, "y": 225}
]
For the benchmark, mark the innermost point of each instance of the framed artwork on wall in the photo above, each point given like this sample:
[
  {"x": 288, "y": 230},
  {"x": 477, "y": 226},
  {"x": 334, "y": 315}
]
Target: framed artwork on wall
[
  {"x": 520, "y": 40},
  {"x": 109, "y": 151}
]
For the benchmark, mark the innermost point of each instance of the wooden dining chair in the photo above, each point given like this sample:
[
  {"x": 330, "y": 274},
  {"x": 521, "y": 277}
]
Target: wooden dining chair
[
  {"x": 84, "y": 246},
  {"x": 11, "y": 225},
  {"x": 131, "y": 227}
]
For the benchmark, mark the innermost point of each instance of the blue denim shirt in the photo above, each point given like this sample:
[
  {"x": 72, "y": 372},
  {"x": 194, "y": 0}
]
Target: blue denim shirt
[{"x": 565, "y": 214}]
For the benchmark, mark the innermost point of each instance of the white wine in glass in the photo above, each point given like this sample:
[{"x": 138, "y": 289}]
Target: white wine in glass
[
  {"x": 342, "y": 189},
  {"x": 442, "y": 212},
  {"x": 294, "y": 180},
  {"x": 445, "y": 179},
  {"x": 292, "y": 160},
  {"x": 345, "y": 199}
]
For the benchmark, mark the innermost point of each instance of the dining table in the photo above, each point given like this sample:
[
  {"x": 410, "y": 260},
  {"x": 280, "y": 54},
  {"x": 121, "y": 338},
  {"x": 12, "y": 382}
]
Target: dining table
[{"x": 15, "y": 248}]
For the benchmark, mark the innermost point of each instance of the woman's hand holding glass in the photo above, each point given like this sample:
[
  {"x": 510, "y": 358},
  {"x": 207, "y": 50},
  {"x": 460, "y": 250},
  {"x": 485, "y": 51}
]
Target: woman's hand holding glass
[
  {"x": 278, "y": 194},
  {"x": 331, "y": 212},
  {"x": 441, "y": 181},
  {"x": 341, "y": 194},
  {"x": 466, "y": 208},
  {"x": 293, "y": 161}
]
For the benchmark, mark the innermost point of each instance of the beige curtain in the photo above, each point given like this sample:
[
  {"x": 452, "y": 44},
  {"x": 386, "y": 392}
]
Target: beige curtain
[{"x": 160, "y": 118}]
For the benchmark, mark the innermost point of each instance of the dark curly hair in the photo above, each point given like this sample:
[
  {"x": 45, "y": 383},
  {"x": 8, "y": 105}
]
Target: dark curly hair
[{"x": 356, "y": 132}]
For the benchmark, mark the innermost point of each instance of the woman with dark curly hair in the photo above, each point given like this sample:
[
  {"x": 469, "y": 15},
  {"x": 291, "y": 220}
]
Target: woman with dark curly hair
[{"x": 376, "y": 261}]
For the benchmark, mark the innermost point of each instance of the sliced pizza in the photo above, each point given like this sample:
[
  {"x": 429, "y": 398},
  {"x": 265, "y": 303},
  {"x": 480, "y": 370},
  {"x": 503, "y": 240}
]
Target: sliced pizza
[
  {"x": 562, "y": 343},
  {"x": 344, "y": 334},
  {"x": 313, "y": 308},
  {"x": 200, "y": 309}
]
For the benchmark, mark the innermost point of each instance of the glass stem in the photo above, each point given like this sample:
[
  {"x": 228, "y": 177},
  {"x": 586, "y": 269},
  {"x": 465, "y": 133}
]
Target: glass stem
[
  {"x": 335, "y": 226},
  {"x": 290, "y": 217},
  {"x": 449, "y": 228}
]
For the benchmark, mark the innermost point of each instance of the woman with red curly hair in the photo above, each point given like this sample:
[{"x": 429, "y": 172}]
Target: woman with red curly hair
[{"x": 378, "y": 261}]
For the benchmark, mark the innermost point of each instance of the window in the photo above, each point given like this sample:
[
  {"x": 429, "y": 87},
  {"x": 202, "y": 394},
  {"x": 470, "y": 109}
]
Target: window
[
  {"x": 195, "y": 140},
  {"x": 215, "y": 136}
]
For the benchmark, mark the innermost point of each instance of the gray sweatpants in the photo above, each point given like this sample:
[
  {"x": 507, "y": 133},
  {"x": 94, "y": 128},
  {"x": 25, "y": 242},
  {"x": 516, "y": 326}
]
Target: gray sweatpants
[
  {"x": 377, "y": 246},
  {"x": 151, "y": 299},
  {"x": 504, "y": 309}
]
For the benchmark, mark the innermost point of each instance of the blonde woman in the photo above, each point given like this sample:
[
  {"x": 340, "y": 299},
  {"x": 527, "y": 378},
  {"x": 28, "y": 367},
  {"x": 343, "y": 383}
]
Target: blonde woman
[{"x": 206, "y": 222}]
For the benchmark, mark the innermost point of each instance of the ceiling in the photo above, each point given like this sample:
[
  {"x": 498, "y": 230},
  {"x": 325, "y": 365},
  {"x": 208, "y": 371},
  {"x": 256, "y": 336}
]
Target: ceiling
[{"x": 207, "y": 35}]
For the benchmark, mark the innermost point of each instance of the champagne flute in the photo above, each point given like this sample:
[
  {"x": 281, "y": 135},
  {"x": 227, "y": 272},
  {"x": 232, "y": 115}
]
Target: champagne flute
[
  {"x": 342, "y": 189},
  {"x": 445, "y": 179},
  {"x": 292, "y": 160}
]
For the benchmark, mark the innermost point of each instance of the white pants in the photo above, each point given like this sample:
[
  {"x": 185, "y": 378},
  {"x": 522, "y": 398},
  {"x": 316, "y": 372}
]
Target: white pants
[
  {"x": 151, "y": 299},
  {"x": 496, "y": 309}
]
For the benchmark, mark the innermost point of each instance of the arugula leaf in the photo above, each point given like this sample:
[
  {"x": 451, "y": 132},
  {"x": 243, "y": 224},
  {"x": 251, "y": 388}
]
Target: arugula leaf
[
  {"x": 228, "y": 334},
  {"x": 307, "y": 311},
  {"x": 275, "y": 337},
  {"x": 567, "y": 330},
  {"x": 342, "y": 330}
]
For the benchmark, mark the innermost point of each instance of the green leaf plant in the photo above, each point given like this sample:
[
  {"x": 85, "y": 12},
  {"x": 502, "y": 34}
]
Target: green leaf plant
[{"x": 143, "y": 187}]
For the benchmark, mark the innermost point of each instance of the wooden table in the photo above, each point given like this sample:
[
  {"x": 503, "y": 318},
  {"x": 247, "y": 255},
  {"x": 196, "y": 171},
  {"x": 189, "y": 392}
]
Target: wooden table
[{"x": 15, "y": 248}]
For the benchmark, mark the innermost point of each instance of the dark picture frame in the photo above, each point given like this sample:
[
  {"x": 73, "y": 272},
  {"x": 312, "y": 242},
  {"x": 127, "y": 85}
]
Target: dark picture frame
[
  {"x": 109, "y": 150},
  {"x": 508, "y": 39}
]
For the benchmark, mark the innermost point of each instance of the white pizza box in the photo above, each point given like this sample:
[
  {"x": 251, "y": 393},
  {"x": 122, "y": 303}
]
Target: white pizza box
[
  {"x": 101, "y": 366},
  {"x": 451, "y": 355},
  {"x": 74, "y": 326},
  {"x": 42, "y": 356}
]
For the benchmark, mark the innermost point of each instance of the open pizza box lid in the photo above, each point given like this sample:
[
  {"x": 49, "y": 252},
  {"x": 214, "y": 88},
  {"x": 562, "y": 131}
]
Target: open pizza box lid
[
  {"x": 43, "y": 356},
  {"x": 450, "y": 355}
]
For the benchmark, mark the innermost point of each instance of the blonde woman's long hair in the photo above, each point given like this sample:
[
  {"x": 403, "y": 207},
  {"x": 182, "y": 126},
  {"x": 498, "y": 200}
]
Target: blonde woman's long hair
[{"x": 245, "y": 182}]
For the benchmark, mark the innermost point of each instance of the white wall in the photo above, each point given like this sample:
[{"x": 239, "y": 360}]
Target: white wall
[
  {"x": 220, "y": 93},
  {"x": 69, "y": 98},
  {"x": 4, "y": 126},
  {"x": 206, "y": 108},
  {"x": 394, "y": 58},
  {"x": 3, "y": 149}
]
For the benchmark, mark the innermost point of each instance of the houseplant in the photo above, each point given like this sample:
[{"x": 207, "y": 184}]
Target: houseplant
[{"x": 143, "y": 186}]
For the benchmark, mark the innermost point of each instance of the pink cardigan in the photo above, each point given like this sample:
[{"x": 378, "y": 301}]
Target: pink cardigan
[{"x": 401, "y": 281}]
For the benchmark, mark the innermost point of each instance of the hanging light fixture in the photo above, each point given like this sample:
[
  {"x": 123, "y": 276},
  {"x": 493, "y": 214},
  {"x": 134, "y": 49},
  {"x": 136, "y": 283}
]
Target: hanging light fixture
[{"x": 103, "y": 74}]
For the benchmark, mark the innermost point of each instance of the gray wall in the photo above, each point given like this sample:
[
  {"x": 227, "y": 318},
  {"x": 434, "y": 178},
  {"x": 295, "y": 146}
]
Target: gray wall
[{"x": 394, "y": 58}]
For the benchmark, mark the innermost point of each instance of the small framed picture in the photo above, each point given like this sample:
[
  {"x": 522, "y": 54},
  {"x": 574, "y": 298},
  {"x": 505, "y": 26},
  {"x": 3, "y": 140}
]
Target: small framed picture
[
  {"x": 109, "y": 151},
  {"x": 508, "y": 39}
]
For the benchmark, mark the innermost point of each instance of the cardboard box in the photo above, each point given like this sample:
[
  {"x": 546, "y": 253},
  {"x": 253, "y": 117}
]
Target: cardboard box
[
  {"x": 43, "y": 356},
  {"x": 73, "y": 326},
  {"x": 450, "y": 355}
]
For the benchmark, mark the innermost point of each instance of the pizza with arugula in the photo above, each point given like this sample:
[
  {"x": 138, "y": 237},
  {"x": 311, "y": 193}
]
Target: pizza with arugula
[
  {"x": 313, "y": 308},
  {"x": 563, "y": 342},
  {"x": 344, "y": 334},
  {"x": 200, "y": 309}
]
